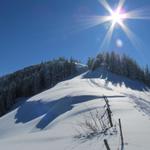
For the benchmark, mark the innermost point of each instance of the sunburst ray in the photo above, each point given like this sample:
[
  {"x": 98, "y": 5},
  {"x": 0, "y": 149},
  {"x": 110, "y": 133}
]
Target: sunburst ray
[
  {"x": 116, "y": 17},
  {"x": 106, "y": 5}
]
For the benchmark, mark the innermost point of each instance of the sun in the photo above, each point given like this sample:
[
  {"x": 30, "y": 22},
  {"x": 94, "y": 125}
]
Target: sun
[{"x": 117, "y": 17}]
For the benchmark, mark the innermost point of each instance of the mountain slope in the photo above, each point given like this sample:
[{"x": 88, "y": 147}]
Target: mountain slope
[{"x": 49, "y": 120}]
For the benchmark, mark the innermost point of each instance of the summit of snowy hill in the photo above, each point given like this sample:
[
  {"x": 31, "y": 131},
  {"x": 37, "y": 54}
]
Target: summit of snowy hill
[{"x": 51, "y": 119}]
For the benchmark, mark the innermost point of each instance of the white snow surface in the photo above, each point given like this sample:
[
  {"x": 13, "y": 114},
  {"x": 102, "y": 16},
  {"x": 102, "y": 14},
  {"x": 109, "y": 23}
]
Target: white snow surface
[{"x": 48, "y": 121}]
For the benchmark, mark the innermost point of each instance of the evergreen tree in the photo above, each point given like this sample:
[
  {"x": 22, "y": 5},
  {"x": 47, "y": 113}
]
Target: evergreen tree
[
  {"x": 32, "y": 80},
  {"x": 121, "y": 65}
]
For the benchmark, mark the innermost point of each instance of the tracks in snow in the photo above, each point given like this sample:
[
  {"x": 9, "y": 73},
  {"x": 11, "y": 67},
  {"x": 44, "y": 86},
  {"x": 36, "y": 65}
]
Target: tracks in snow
[
  {"x": 96, "y": 83},
  {"x": 141, "y": 103}
]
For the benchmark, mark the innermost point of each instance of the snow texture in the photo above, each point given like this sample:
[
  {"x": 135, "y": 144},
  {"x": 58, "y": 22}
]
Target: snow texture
[{"x": 48, "y": 121}]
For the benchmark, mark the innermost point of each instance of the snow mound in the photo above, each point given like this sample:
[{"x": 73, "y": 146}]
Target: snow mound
[{"x": 49, "y": 120}]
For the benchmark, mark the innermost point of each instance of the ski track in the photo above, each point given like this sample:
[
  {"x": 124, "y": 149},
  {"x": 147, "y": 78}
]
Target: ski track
[
  {"x": 141, "y": 103},
  {"x": 94, "y": 83}
]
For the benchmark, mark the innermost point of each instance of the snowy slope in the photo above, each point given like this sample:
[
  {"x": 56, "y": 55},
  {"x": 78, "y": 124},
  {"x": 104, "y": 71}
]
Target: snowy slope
[{"x": 48, "y": 121}]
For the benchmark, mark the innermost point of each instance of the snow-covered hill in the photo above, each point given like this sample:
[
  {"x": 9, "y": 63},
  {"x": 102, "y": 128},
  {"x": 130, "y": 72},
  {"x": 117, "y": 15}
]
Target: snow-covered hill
[{"x": 48, "y": 121}]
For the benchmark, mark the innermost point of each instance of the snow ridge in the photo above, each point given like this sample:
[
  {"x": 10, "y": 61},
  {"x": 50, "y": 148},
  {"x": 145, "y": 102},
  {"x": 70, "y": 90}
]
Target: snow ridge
[{"x": 49, "y": 120}]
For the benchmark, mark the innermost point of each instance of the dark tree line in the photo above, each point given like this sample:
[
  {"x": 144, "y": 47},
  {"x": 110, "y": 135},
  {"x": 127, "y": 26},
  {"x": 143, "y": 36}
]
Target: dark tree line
[
  {"x": 32, "y": 80},
  {"x": 121, "y": 65}
]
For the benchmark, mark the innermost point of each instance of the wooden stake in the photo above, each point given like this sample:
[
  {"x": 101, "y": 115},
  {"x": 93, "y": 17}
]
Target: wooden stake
[
  {"x": 106, "y": 101},
  {"x": 109, "y": 117},
  {"x": 106, "y": 144},
  {"x": 121, "y": 133},
  {"x": 108, "y": 111}
]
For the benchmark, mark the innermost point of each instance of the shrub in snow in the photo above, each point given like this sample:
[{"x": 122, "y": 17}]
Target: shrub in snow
[{"x": 96, "y": 123}]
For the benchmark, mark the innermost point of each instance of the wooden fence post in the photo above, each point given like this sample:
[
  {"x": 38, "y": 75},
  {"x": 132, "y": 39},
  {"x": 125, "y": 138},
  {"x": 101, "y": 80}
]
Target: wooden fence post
[
  {"x": 106, "y": 144},
  {"x": 107, "y": 102},
  {"x": 121, "y": 133},
  {"x": 108, "y": 111},
  {"x": 109, "y": 117}
]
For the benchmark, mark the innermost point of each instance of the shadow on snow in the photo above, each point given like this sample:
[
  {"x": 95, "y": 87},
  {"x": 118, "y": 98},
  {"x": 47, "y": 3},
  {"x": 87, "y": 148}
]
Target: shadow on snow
[
  {"x": 30, "y": 110},
  {"x": 116, "y": 79}
]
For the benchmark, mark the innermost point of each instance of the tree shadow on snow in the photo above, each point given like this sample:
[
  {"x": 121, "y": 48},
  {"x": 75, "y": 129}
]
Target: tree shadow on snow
[
  {"x": 30, "y": 110},
  {"x": 116, "y": 79}
]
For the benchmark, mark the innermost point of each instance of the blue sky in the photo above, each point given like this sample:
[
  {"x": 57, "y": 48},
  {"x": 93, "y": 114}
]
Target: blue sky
[{"x": 32, "y": 31}]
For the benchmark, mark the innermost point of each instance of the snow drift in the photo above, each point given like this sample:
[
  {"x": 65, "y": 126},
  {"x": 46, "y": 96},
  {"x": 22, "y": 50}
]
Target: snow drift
[{"x": 49, "y": 120}]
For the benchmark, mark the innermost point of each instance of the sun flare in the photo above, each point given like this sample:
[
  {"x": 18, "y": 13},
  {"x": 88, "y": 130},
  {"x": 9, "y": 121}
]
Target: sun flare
[{"x": 117, "y": 17}]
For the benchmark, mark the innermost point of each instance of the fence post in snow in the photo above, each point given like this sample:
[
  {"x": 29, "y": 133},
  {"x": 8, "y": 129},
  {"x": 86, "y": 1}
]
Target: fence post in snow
[
  {"x": 109, "y": 117},
  {"x": 107, "y": 102},
  {"x": 106, "y": 144},
  {"x": 108, "y": 111},
  {"x": 121, "y": 133}
]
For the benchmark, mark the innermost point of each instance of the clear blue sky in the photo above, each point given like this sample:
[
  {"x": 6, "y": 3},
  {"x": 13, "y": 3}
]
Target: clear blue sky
[{"x": 32, "y": 31}]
